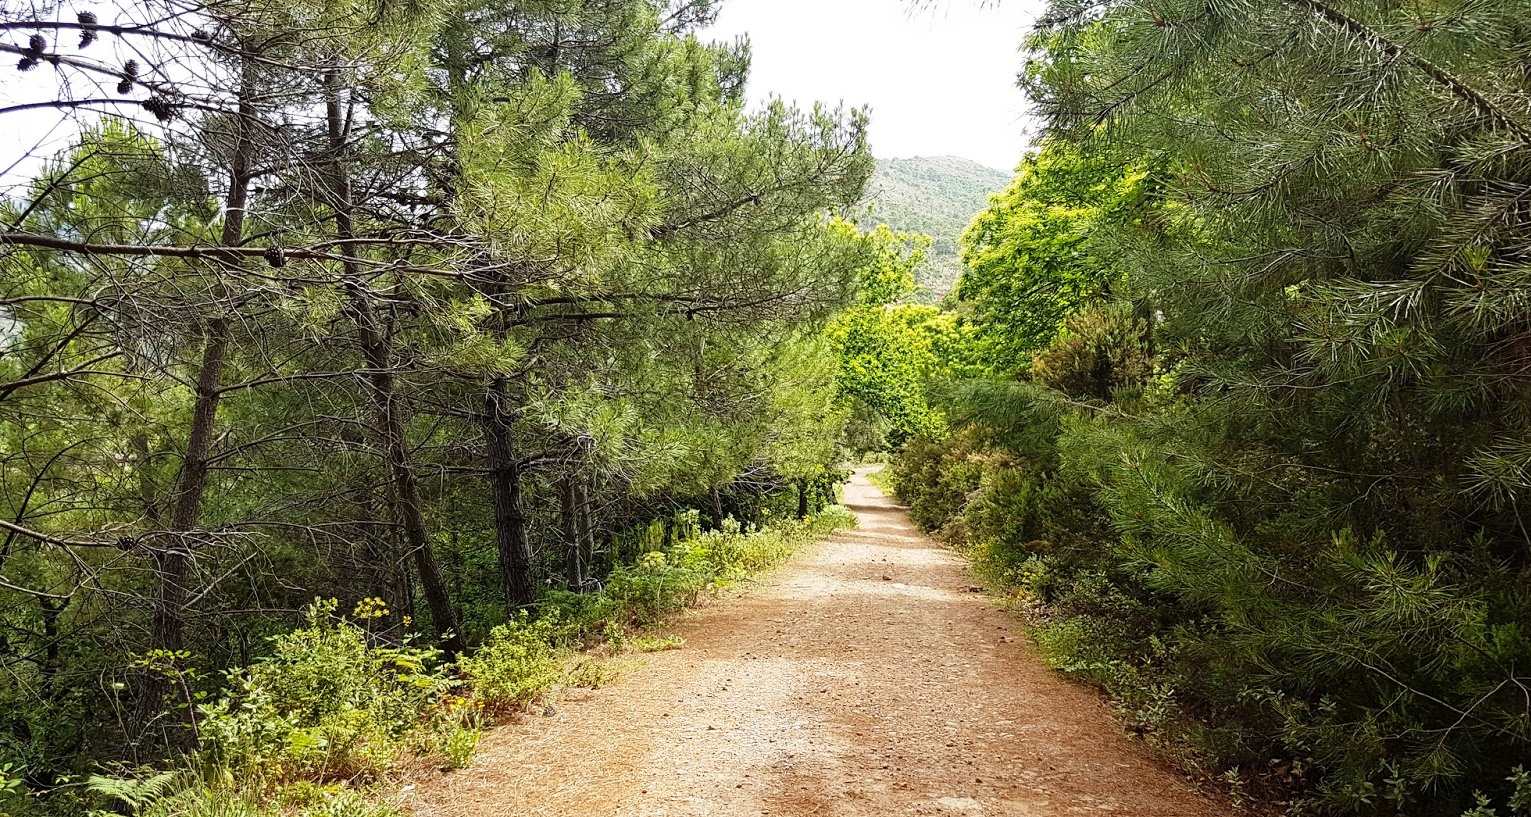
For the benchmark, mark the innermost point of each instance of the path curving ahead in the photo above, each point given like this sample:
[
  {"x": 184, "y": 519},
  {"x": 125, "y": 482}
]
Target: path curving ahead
[{"x": 863, "y": 679}]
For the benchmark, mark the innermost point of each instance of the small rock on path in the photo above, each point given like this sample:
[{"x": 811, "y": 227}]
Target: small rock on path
[{"x": 863, "y": 679}]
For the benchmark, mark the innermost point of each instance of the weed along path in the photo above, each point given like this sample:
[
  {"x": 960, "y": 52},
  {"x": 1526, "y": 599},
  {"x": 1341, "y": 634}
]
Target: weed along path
[{"x": 862, "y": 679}]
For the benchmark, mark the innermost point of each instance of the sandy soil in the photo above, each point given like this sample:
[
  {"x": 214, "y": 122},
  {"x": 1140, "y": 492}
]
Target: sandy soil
[{"x": 863, "y": 679}]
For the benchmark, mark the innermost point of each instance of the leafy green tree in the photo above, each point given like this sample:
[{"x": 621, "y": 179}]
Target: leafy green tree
[
  {"x": 1045, "y": 247},
  {"x": 885, "y": 352}
]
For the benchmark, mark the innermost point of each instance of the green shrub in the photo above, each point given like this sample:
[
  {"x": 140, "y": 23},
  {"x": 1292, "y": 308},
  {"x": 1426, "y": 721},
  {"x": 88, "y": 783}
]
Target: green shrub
[
  {"x": 458, "y": 744},
  {"x": 326, "y": 703},
  {"x": 672, "y": 576},
  {"x": 200, "y": 800},
  {"x": 517, "y": 664},
  {"x": 936, "y": 479},
  {"x": 659, "y": 644},
  {"x": 183, "y": 794},
  {"x": 589, "y": 673},
  {"x": 1097, "y": 352}
]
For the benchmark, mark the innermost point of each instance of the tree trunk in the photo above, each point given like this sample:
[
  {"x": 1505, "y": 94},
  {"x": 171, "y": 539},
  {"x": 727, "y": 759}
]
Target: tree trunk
[
  {"x": 51, "y": 608},
  {"x": 586, "y": 526},
  {"x": 378, "y": 356},
  {"x": 148, "y": 492},
  {"x": 408, "y": 505},
  {"x": 573, "y": 534},
  {"x": 802, "y": 498},
  {"x": 516, "y": 577},
  {"x": 173, "y": 559},
  {"x": 717, "y": 507}
]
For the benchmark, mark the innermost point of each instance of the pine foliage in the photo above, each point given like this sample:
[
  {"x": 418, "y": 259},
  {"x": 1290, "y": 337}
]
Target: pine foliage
[{"x": 1293, "y": 386}]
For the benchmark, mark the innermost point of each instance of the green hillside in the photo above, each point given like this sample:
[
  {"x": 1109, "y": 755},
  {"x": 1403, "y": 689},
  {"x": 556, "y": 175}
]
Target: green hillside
[{"x": 937, "y": 196}]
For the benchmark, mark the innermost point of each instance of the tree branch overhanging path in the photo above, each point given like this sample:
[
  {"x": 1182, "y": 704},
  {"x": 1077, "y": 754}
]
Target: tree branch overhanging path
[{"x": 864, "y": 678}]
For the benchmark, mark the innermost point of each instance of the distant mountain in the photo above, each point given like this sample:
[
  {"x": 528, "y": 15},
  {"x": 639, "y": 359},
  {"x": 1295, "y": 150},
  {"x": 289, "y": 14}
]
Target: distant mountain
[{"x": 938, "y": 196}]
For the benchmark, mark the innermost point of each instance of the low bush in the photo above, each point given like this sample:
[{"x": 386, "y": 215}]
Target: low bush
[
  {"x": 673, "y": 576},
  {"x": 186, "y": 795},
  {"x": 327, "y": 703},
  {"x": 659, "y": 644},
  {"x": 518, "y": 663}
]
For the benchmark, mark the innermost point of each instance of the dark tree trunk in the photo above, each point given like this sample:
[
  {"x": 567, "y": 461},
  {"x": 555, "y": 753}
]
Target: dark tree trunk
[
  {"x": 148, "y": 492},
  {"x": 586, "y": 526},
  {"x": 802, "y": 498},
  {"x": 51, "y": 608},
  {"x": 174, "y": 557},
  {"x": 517, "y": 581},
  {"x": 175, "y": 552},
  {"x": 717, "y": 507},
  {"x": 408, "y": 506},
  {"x": 573, "y": 539},
  {"x": 380, "y": 381}
]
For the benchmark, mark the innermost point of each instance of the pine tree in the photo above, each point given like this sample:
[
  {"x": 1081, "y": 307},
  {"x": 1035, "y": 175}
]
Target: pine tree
[{"x": 1329, "y": 477}]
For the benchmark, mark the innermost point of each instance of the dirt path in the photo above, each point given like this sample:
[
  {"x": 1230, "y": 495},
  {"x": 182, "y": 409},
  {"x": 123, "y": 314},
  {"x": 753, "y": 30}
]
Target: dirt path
[{"x": 863, "y": 679}]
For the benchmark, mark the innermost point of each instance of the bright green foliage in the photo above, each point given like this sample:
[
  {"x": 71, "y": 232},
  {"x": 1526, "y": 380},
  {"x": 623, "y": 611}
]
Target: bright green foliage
[
  {"x": 886, "y": 350},
  {"x": 659, "y": 644},
  {"x": 326, "y": 703},
  {"x": 1042, "y": 250},
  {"x": 885, "y": 359},
  {"x": 183, "y": 796},
  {"x": 516, "y": 664},
  {"x": 673, "y": 575}
]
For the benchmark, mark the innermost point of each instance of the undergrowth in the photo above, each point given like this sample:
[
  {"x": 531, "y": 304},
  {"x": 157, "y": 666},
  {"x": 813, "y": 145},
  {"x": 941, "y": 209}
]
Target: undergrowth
[
  {"x": 321, "y": 726},
  {"x": 882, "y": 479}
]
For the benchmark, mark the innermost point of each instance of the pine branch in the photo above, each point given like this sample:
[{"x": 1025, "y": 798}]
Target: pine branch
[{"x": 1456, "y": 86}]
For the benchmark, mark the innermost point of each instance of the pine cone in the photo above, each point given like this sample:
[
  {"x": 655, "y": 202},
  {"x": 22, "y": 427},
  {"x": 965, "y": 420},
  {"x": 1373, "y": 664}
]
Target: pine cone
[
  {"x": 160, "y": 107},
  {"x": 87, "y": 19}
]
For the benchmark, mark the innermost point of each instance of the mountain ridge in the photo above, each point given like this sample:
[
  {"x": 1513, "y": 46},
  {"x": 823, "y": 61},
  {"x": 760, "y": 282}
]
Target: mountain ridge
[{"x": 937, "y": 196}]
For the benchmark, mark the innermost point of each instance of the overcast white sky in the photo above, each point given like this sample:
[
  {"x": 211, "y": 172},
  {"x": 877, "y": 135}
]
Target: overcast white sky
[{"x": 939, "y": 81}]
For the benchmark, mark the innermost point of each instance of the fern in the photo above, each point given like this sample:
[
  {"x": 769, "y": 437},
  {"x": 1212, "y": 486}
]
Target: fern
[{"x": 137, "y": 793}]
